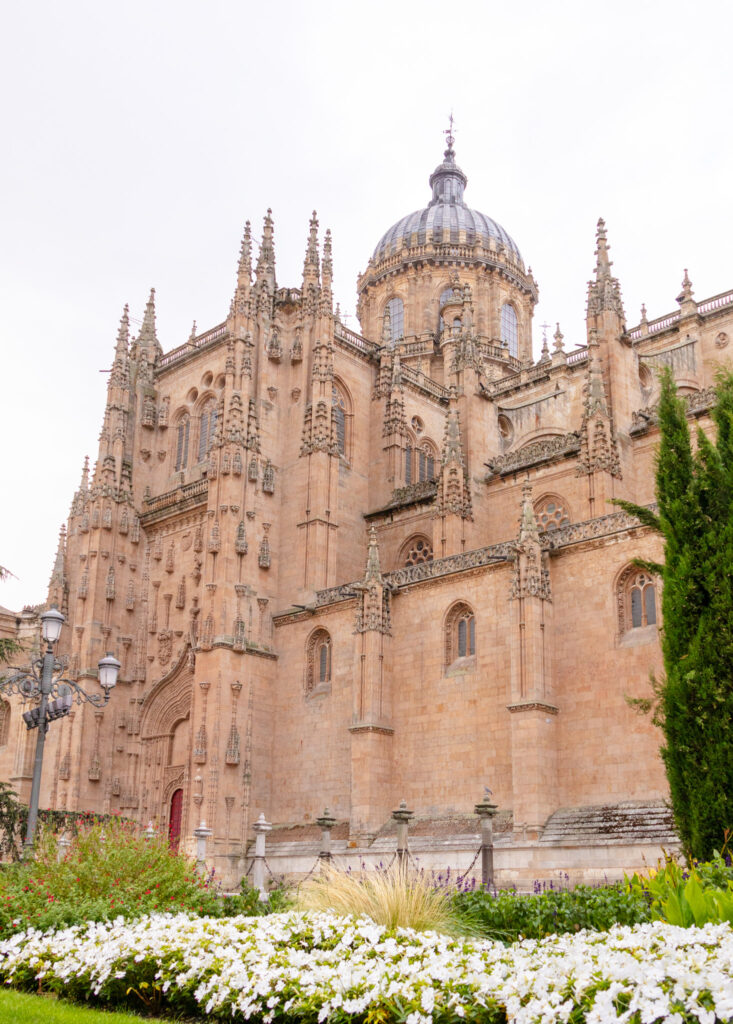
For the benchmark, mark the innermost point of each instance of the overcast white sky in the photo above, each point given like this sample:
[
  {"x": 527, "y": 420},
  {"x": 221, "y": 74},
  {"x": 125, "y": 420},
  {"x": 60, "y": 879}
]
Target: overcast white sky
[{"x": 139, "y": 137}]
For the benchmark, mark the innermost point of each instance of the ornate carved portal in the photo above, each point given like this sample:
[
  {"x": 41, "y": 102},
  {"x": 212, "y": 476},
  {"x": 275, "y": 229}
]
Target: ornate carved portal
[{"x": 165, "y": 733}]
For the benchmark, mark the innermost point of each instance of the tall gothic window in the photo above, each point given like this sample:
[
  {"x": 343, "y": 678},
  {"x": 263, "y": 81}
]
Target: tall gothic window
[
  {"x": 419, "y": 461},
  {"x": 339, "y": 418},
  {"x": 183, "y": 431},
  {"x": 318, "y": 661},
  {"x": 460, "y": 633},
  {"x": 396, "y": 309},
  {"x": 446, "y": 294},
  {"x": 207, "y": 428},
  {"x": 509, "y": 331},
  {"x": 342, "y": 418},
  {"x": 636, "y": 598}
]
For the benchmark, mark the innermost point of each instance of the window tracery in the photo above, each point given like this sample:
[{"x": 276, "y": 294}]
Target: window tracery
[
  {"x": 636, "y": 598},
  {"x": 552, "y": 512},
  {"x": 207, "y": 428},
  {"x": 509, "y": 329},
  {"x": 183, "y": 431},
  {"x": 396, "y": 309},
  {"x": 419, "y": 461},
  {"x": 415, "y": 551},
  {"x": 341, "y": 419},
  {"x": 460, "y": 633},
  {"x": 318, "y": 661}
]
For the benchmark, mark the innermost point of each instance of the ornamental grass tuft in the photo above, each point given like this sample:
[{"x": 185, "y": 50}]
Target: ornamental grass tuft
[{"x": 394, "y": 897}]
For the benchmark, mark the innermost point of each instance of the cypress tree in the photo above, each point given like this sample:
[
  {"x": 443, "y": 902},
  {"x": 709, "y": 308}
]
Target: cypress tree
[{"x": 695, "y": 499}]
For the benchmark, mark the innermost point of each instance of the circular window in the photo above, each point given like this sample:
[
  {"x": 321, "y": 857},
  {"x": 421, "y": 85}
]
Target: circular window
[
  {"x": 419, "y": 551},
  {"x": 192, "y": 395},
  {"x": 551, "y": 514},
  {"x": 207, "y": 379}
]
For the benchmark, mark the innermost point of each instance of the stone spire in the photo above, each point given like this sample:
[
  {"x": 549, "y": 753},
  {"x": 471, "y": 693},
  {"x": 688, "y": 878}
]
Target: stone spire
[
  {"x": 373, "y": 612},
  {"x": 147, "y": 339},
  {"x": 265, "y": 273},
  {"x": 327, "y": 275},
  {"x": 558, "y": 337},
  {"x": 240, "y": 301},
  {"x": 373, "y": 571},
  {"x": 528, "y": 529},
  {"x": 119, "y": 376},
  {"x": 598, "y": 446},
  {"x": 604, "y": 293},
  {"x": 454, "y": 495},
  {"x": 311, "y": 264},
  {"x": 531, "y": 577},
  {"x": 387, "y": 328},
  {"x": 58, "y": 582},
  {"x": 688, "y": 306},
  {"x": 395, "y": 421}
]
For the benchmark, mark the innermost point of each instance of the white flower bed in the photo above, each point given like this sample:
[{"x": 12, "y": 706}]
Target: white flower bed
[{"x": 317, "y": 967}]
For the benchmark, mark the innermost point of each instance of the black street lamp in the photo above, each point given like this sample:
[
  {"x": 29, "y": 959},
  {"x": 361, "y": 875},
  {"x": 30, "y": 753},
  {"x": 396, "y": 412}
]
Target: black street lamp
[{"x": 55, "y": 698}]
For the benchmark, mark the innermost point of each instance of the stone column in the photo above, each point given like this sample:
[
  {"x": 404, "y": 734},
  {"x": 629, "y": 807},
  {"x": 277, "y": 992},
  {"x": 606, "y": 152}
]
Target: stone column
[
  {"x": 486, "y": 812},
  {"x": 325, "y": 823},
  {"x": 261, "y": 828},
  {"x": 402, "y": 817}
]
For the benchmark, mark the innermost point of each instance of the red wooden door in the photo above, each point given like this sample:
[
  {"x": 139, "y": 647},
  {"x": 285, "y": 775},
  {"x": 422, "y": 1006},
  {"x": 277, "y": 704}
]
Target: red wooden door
[{"x": 174, "y": 826}]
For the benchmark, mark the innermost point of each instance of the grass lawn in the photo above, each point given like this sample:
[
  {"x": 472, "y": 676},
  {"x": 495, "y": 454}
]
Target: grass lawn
[{"x": 21, "y": 1008}]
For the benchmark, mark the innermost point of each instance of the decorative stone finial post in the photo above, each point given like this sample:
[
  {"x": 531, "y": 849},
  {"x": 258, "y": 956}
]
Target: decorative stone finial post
[
  {"x": 402, "y": 817},
  {"x": 261, "y": 828},
  {"x": 62, "y": 847},
  {"x": 325, "y": 823},
  {"x": 486, "y": 812},
  {"x": 201, "y": 834},
  {"x": 149, "y": 832}
]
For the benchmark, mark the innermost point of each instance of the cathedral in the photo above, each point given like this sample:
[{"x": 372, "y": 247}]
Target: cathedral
[{"x": 348, "y": 569}]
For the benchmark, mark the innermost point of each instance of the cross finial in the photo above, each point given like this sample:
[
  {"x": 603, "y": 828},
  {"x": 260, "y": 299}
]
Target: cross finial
[{"x": 448, "y": 132}]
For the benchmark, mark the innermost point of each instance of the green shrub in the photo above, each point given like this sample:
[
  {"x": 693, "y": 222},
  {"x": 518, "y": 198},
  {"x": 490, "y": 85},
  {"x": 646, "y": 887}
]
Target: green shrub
[
  {"x": 109, "y": 871},
  {"x": 509, "y": 915},
  {"x": 702, "y": 894}
]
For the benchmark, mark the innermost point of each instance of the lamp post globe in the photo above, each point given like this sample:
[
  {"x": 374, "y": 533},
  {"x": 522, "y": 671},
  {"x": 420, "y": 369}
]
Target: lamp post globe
[
  {"x": 109, "y": 668},
  {"x": 51, "y": 623}
]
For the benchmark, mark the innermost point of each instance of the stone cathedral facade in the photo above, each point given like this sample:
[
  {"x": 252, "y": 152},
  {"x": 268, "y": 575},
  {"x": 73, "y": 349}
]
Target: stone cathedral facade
[{"x": 346, "y": 568}]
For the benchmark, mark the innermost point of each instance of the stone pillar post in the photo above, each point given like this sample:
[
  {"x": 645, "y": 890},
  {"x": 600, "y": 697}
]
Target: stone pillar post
[
  {"x": 325, "y": 823},
  {"x": 261, "y": 828},
  {"x": 486, "y": 812},
  {"x": 62, "y": 847},
  {"x": 201, "y": 834},
  {"x": 402, "y": 817}
]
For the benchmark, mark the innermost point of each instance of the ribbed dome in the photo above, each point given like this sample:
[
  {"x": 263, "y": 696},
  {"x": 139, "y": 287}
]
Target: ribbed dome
[{"x": 445, "y": 210}]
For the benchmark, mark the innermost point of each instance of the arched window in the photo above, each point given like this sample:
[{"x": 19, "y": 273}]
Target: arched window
[
  {"x": 415, "y": 551},
  {"x": 183, "y": 431},
  {"x": 318, "y": 662},
  {"x": 509, "y": 333},
  {"x": 636, "y": 598},
  {"x": 4, "y": 722},
  {"x": 396, "y": 309},
  {"x": 207, "y": 427},
  {"x": 446, "y": 294},
  {"x": 342, "y": 419},
  {"x": 460, "y": 634},
  {"x": 339, "y": 419},
  {"x": 551, "y": 512},
  {"x": 419, "y": 461}
]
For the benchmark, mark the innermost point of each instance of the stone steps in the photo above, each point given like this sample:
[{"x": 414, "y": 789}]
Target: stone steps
[{"x": 630, "y": 822}]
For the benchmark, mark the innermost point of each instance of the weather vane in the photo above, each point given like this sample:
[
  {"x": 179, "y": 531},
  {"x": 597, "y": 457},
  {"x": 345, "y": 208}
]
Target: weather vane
[{"x": 448, "y": 132}]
